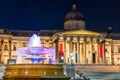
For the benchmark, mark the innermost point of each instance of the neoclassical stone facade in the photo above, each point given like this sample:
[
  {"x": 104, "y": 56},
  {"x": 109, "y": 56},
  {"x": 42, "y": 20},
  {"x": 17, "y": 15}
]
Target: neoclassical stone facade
[{"x": 73, "y": 45}]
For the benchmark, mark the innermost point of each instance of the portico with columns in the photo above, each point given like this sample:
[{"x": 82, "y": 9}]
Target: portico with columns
[{"x": 81, "y": 47}]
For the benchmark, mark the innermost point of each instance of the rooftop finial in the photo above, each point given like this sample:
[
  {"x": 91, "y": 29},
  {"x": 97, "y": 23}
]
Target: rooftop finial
[{"x": 74, "y": 7}]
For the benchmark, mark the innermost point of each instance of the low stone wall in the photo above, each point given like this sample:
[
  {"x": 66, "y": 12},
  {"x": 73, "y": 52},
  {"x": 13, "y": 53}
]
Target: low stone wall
[{"x": 97, "y": 68}]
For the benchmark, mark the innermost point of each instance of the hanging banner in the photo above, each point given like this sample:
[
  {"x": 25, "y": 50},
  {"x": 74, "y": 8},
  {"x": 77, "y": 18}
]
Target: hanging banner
[
  {"x": 101, "y": 50},
  {"x": 61, "y": 50}
]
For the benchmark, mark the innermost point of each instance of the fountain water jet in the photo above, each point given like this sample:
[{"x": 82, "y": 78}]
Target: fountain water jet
[{"x": 35, "y": 50}]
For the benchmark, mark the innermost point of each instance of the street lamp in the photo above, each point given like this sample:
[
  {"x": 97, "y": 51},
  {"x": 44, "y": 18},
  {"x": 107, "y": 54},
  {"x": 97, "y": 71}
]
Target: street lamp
[{"x": 71, "y": 58}]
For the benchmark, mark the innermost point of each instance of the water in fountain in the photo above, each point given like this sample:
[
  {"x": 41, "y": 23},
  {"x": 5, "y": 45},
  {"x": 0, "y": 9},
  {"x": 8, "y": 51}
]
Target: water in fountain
[{"x": 35, "y": 53}]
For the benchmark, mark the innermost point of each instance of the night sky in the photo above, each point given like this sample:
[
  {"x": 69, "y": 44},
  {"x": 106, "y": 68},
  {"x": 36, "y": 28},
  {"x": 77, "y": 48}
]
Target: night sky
[{"x": 49, "y": 14}]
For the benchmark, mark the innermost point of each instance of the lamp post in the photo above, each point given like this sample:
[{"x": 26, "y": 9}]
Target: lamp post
[
  {"x": 72, "y": 71},
  {"x": 71, "y": 58}
]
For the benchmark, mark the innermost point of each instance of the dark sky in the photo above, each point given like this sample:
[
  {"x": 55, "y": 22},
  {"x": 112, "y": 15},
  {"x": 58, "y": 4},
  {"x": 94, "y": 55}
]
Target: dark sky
[{"x": 49, "y": 14}]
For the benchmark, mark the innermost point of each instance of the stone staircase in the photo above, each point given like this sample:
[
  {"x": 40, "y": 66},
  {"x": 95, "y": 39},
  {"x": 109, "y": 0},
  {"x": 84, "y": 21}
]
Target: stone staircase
[{"x": 98, "y": 75}]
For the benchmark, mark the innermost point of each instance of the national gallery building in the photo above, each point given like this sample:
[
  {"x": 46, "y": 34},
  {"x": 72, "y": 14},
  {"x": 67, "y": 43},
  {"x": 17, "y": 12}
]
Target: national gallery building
[{"x": 74, "y": 44}]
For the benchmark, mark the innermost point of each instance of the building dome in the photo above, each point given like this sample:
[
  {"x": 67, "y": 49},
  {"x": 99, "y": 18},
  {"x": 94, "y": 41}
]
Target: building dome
[
  {"x": 74, "y": 20},
  {"x": 74, "y": 14}
]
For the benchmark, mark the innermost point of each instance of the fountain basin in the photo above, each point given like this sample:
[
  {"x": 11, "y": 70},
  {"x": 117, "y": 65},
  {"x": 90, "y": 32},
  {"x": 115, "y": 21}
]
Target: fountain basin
[{"x": 34, "y": 72}]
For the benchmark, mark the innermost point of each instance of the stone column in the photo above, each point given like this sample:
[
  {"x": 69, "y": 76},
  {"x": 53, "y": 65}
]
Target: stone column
[
  {"x": 104, "y": 55},
  {"x": 78, "y": 49},
  {"x": 1, "y": 49},
  {"x": 64, "y": 49},
  {"x": 73, "y": 51},
  {"x": 71, "y": 44},
  {"x": 85, "y": 61},
  {"x": 91, "y": 50},
  {"x": 10, "y": 42},
  {"x": 71, "y": 48},
  {"x": 57, "y": 49},
  {"x": 97, "y": 51},
  {"x": 76, "y": 52}
]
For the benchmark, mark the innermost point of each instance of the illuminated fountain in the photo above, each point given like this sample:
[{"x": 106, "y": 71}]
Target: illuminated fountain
[
  {"x": 35, "y": 52},
  {"x": 35, "y": 71}
]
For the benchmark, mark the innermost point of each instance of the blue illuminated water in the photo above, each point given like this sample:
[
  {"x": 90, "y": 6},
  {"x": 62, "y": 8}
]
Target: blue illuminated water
[{"x": 35, "y": 51}]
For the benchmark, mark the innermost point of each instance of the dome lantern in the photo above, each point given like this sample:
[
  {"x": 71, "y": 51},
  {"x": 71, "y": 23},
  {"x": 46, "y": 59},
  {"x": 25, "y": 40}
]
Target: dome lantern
[{"x": 74, "y": 7}]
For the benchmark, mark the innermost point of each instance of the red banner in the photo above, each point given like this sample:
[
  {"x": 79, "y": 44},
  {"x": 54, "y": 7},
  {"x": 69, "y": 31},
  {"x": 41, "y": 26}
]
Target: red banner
[
  {"x": 61, "y": 49},
  {"x": 101, "y": 50}
]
